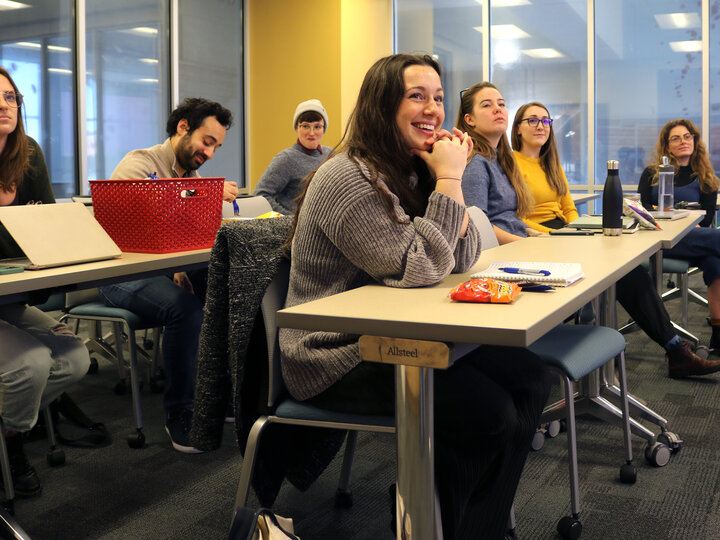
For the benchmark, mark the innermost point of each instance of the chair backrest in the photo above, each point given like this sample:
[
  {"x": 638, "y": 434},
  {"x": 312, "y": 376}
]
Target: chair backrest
[
  {"x": 274, "y": 300},
  {"x": 481, "y": 221},
  {"x": 75, "y": 298},
  {"x": 249, "y": 207}
]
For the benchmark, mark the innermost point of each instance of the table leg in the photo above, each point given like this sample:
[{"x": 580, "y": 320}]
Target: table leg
[{"x": 416, "y": 513}]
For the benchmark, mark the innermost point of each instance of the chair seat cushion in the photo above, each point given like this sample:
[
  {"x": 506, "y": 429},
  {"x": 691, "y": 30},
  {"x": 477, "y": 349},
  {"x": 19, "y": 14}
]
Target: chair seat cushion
[
  {"x": 671, "y": 266},
  {"x": 579, "y": 349},
  {"x": 290, "y": 408},
  {"x": 99, "y": 309}
]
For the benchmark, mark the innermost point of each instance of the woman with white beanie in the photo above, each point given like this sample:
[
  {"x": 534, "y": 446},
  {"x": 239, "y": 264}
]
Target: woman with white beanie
[{"x": 281, "y": 181}]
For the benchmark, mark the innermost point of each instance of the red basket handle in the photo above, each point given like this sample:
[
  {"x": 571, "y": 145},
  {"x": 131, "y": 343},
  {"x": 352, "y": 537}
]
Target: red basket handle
[{"x": 192, "y": 193}]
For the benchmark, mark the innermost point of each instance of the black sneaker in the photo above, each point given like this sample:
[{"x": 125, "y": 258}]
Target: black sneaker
[
  {"x": 25, "y": 480},
  {"x": 177, "y": 426}
]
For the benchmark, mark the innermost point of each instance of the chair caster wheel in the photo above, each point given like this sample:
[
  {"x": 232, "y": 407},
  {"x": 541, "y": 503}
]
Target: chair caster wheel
[
  {"x": 628, "y": 474},
  {"x": 121, "y": 388},
  {"x": 657, "y": 454},
  {"x": 552, "y": 430},
  {"x": 671, "y": 440},
  {"x": 55, "y": 457},
  {"x": 538, "y": 440},
  {"x": 136, "y": 440},
  {"x": 343, "y": 498},
  {"x": 157, "y": 386},
  {"x": 569, "y": 527},
  {"x": 93, "y": 367}
]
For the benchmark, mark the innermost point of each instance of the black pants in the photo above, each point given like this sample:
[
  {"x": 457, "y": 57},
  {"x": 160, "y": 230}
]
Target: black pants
[
  {"x": 487, "y": 407},
  {"x": 637, "y": 294}
]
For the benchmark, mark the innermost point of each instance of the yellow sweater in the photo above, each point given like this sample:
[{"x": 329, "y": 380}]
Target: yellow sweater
[{"x": 548, "y": 204}]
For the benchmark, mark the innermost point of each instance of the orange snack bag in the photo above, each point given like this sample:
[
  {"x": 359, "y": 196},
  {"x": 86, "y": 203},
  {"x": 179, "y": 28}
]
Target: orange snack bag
[{"x": 485, "y": 290}]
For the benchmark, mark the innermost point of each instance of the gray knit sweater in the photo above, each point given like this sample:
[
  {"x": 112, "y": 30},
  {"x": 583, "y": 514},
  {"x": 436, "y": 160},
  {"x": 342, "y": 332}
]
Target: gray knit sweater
[
  {"x": 281, "y": 181},
  {"x": 345, "y": 238}
]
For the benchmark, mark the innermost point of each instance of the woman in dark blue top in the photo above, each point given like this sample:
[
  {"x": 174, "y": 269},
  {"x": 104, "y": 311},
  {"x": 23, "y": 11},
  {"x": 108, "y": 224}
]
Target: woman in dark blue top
[{"x": 695, "y": 181}]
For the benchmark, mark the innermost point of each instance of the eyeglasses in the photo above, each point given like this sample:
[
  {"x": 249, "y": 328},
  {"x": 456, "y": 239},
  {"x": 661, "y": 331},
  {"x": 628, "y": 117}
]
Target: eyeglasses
[
  {"x": 462, "y": 92},
  {"x": 13, "y": 99},
  {"x": 533, "y": 122},
  {"x": 313, "y": 127},
  {"x": 687, "y": 137}
]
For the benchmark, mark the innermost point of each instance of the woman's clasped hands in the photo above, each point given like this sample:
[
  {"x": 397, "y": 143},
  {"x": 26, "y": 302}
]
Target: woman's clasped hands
[{"x": 448, "y": 155}]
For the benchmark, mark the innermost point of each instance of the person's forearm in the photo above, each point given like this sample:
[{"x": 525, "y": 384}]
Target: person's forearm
[{"x": 505, "y": 237}]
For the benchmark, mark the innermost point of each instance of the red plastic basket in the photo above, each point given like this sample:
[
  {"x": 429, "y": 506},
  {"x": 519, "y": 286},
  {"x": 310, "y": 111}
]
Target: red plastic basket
[{"x": 159, "y": 216}]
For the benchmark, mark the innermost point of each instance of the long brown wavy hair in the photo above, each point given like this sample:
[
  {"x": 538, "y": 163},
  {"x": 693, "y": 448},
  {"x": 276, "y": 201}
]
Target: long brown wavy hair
[
  {"x": 15, "y": 157},
  {"x": 699, "y": 160},
  {"x": 549, "y": 157},
  {"x": 503, "y": 153},
  {"x": 372, "y": 137}
]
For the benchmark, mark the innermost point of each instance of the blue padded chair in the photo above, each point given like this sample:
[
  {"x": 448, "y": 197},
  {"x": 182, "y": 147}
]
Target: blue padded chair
[
  {"x": 297, "y": 413},
  {"x": 124, "y": 323},
  {"x": 575, "y": 351}
]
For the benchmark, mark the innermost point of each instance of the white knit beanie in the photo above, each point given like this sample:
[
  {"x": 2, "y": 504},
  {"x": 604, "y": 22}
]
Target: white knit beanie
[{"x": 310, "y": 105}]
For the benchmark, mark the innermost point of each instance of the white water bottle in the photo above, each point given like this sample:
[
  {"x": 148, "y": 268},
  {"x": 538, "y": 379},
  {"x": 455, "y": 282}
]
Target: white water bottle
[{"x": 666, "y": 188}]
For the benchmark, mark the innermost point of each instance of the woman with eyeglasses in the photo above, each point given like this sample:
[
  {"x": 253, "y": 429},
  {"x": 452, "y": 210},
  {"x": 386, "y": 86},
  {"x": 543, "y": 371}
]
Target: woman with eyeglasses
[
  {"x": 39, "y": 357},
  {"x": 388, "y": 208},
  {"x": 492, "y": 180},
  {"x": 695, "y": 181},
  {"x": 537, "y": 157},
  {"x": 533, "y": 142},
  {"x": 282, "y": 180}
]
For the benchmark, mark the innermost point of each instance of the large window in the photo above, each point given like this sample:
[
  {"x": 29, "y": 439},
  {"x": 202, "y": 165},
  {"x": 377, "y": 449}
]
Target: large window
[
  {"x": 128, "y": 87},
  {"x": 648, "y": 71},
  {"x": 128, "y": 84},
  {"x": 646, "y": 60},
  {"x": 539, "y": 53},
  {"x": 36, "y": 49},
  {"x": 714, "y": 143}
]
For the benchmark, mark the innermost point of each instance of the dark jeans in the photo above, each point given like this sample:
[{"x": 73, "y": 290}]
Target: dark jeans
[
  {"x": 159, "y": 301},
  {"x": 487, "y": 407},
  {"x": 701, "y": 248}
]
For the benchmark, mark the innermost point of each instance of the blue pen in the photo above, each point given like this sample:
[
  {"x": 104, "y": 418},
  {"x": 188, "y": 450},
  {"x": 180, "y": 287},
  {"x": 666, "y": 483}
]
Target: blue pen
[
  {"x": 153, "y": 176},
  {"x": 528, "y": 271},
  {"x": 236, "y": 208}
]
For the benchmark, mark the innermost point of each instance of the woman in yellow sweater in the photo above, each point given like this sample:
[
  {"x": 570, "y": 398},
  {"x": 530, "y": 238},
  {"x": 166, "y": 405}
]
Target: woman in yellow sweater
[
  {"x": 534, "y": 147},
  {"x": 537, "y": 157}
]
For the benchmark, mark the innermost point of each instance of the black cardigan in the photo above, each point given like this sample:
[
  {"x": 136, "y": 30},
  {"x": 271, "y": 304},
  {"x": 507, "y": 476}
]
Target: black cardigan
[{"x": 232, "y": 360}]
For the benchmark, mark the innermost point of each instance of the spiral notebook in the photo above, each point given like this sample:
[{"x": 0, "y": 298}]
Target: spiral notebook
[{"x": 553, "y": 273}]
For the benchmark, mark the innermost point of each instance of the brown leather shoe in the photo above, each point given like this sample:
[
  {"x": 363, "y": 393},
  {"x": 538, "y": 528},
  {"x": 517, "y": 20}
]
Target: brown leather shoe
[{"x": 683, "y": 362}]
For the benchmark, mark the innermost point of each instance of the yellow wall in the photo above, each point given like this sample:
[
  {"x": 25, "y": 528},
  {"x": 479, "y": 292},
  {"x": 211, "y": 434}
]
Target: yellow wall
[{"x": 298, "y": 50}]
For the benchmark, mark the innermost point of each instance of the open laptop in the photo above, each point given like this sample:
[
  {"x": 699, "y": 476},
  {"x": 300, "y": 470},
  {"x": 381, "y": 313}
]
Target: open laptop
[{"x": 56, "y": 235}]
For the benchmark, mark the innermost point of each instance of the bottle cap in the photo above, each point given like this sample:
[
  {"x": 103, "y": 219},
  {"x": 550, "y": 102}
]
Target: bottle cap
[
  {"x": 665, "y": 160},
  {"x": 613, "y": 165}
]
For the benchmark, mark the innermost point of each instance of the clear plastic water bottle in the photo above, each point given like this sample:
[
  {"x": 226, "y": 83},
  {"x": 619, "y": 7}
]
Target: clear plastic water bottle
[
  {"x": 666, "y": 188},
  {"x": 612, "y": 201}
]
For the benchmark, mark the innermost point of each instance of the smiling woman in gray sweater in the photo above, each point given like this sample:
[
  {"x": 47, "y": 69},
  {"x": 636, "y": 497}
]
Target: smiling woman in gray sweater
[{"x": 389, "y": 209}]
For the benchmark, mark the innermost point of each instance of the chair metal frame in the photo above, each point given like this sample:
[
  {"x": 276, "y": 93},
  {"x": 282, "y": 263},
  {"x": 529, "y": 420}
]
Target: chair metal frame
[
  {"x": 124, "y": 322},
  {"x": 273, "y": 300}
]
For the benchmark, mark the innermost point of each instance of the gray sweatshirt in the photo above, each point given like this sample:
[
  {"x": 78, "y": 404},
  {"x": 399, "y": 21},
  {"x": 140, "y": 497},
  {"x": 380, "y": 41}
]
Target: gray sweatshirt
[
  {"x": 346, "y": 238},
  {"x": 282, "y": 180}
]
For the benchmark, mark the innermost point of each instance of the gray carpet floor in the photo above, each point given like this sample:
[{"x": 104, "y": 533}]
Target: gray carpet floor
[{"x": 117, "y": 492}]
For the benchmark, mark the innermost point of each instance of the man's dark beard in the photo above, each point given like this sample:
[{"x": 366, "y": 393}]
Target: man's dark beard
[{"x": 184, "y": 156}]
